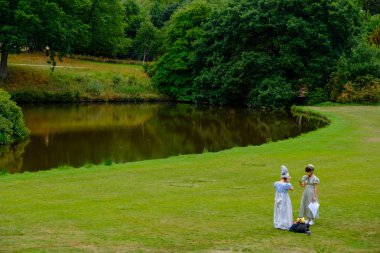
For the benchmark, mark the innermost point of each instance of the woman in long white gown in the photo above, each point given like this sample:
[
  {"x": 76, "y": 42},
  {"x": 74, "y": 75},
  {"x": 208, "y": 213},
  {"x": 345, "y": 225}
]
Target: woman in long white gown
[{"x": 283, "y": 213}]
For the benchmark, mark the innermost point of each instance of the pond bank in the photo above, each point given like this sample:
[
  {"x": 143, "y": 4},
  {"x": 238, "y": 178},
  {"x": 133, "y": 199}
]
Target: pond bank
[{"x": 211, "y": 202}]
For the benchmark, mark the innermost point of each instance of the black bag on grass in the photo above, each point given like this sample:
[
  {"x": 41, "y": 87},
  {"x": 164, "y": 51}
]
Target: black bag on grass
[{"x": 299, "y": 228}]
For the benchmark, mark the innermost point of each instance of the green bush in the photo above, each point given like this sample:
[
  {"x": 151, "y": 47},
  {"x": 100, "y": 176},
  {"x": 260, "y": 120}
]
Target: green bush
[
  {"x": 12, "y": 126},
  {"x": 94, "y": 88},
  {"x": 117, "y": 79},
  {"x": 271, "y": 93},
  {"x": 357, "y": 78},
  {"x": 317, "y": 96}
]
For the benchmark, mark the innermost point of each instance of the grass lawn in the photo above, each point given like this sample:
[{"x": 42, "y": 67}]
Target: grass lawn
[
  {"x": 30, "y": 80},
  {"x": 212, "y": 202}
]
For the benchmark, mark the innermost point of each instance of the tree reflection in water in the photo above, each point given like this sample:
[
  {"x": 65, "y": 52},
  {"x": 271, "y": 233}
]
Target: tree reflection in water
[{"x": 78, "y": 134}]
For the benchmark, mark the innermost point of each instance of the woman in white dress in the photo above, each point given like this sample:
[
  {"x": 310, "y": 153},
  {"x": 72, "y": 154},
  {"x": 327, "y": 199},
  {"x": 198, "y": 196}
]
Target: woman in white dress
[{"x": 283, "y": 214}]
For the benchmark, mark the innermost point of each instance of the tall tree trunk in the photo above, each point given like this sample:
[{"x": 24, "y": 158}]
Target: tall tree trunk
[{"x": 3, "y": 64}]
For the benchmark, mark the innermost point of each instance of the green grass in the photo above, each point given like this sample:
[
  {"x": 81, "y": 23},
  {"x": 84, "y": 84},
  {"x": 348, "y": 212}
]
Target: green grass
[
  {"x": 75, "y": 80},
  {"x": 211, "y": 202}
]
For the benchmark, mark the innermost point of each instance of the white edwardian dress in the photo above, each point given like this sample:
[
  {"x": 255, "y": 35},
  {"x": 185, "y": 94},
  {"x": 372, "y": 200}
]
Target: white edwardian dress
[{"x": 283, "y": 214}]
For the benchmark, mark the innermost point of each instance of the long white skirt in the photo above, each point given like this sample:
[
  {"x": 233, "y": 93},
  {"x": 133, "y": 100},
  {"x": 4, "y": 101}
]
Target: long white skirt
[{"x": 283, "y": 214}]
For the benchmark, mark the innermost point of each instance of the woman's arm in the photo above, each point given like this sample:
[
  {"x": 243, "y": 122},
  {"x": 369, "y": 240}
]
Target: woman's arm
[
  {"x": 302, "y": 184},
  {"x": 290, "y": 185},
  {"x": 315, "y": 192}
]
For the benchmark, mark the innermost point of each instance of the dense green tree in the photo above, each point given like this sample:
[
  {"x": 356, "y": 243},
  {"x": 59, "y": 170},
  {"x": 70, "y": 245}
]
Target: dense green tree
[
  {"x": 161, "y": 12},
  {"x": 106, "y": 20},
  {"x": 156, "y": 13},
  {"x": 172, "y": 72},
  {"x": 146, "y": 40},
  {"x": 274, "y": 46},
  {"x": 371, "y": 6},
  {"x": 132, "y": 18},
  {"x": 357, "y": 78}
]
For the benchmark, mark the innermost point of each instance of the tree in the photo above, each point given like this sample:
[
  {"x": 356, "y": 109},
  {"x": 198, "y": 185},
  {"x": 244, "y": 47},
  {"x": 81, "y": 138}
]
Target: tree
[
  {"x": 36, "y": 24},
  {"x": 271, "y": 45},
  {"x": 106, "y": 21},
  {"x": 156, "y": 12},
  {"x": 145, "y": 40},
  {"x": 132, "y": 18},
  {"x": 371, "y": 6},
  {"x": 172, "y": 72},
  {"x": 161, "y": 12}
]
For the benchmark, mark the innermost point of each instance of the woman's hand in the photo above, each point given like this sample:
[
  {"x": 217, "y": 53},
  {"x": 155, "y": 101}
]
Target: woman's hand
[{"x": 314, "y": 198}]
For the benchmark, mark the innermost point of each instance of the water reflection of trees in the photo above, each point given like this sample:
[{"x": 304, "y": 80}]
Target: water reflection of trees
[
  {"x": 64, "y": 118},
  {"x": 71, "y": 135},
  {"x": 12, "y": 157},
  {"x": 219, "y": 128}
]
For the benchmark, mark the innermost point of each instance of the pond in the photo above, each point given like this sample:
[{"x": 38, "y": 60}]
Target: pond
[{"x": 75, "y": 135}]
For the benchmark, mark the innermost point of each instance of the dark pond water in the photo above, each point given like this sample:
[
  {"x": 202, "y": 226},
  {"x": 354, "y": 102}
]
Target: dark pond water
[{"x": 90, "y": 134}]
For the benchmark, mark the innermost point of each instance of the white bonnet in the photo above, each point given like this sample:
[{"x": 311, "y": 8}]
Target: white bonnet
[{"x": 284, "y": 172}]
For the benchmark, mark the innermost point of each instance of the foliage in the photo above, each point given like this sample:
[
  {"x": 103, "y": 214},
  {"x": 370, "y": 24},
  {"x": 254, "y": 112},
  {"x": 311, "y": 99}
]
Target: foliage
[
  {"x": 272, "y": 93},
  {"x": 146, "y": 41},
  {"x": 357, "y": 78},
  {"x": 172, "y": 73},
  {"x": 374, "y": 36},
  {"x": 252, "y": 41},
  {"x": 317, "y": 96},
  {"x": 106, "y": 20},
  {"x": 132, "y": 18},
  {"x": 362, "y": 90},
  {"x": 371, "y": 29},
  {"x": 371, "y": 6},
  {"x": 161, "y": 12},
  {"x": 12, "y": 126},
  {"x": 212, "y": 51},
  {"x": 277, "y": 46}
]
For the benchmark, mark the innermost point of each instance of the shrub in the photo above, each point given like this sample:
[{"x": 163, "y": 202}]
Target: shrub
[
  {"x": 374, "y": 37},
  {"x": 317, "y": 96},
  {"x": 94, "y": 88},
  {"x": 272, "y": 93},
  {"x": 12, "y": 126},
  {"x": 363, "y": 90},
  {"x": 117, "y": 79},
  {"x": 357, "y": 76}
]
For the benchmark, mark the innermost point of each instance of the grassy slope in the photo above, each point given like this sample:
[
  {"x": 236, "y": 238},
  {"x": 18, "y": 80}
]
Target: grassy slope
[
  {"x": 213, "y": 202},
  {"x": 90, "y": 80}
]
